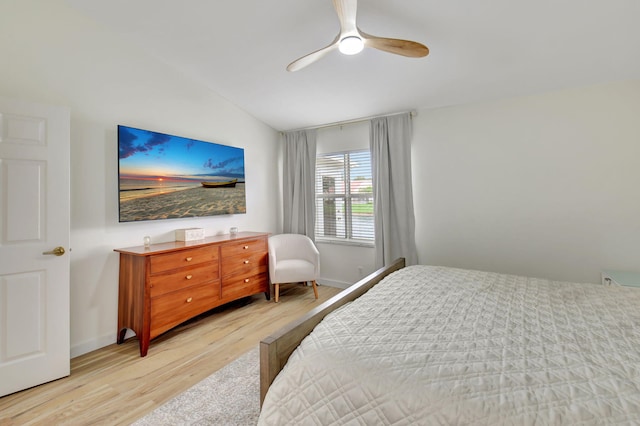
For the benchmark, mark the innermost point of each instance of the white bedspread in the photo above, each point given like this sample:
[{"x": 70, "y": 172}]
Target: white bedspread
[{"x": 434, "y": 345}]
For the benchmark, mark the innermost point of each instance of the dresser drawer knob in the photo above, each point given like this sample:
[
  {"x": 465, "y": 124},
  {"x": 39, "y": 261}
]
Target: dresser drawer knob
[
  {"x": 189, "y": 277},
  {"x": 189, "y": 300},
  {"x": 246, "y": 262},
  {"x": 246, "y": 280},
  {"x": 188, "y": 259},
  {"x": 245, "y": 247}
]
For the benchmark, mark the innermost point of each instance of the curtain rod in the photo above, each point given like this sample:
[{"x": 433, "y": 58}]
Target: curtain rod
[{"x": 355, "y": 120}]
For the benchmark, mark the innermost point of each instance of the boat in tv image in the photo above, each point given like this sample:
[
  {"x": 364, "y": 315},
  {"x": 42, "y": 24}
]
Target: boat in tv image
[
  {"x": 227, "y": 184},
  {"x": 168, "y": 177}
]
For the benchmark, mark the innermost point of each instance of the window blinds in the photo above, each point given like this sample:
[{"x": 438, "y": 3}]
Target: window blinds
[{"x": 344, "y": 197}]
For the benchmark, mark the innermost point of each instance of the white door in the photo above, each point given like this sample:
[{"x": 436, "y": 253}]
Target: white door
[{"x": 34, "y": 218}]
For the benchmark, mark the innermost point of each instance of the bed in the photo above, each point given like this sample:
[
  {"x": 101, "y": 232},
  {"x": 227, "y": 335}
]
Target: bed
[{"x": 436, "y": 345}]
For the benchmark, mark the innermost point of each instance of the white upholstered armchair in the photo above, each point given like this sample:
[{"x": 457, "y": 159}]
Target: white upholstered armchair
[{"x": 293, "y": 258}]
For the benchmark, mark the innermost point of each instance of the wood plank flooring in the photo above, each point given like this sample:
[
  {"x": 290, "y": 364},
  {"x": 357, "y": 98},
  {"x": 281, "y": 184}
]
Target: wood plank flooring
[{"x": 115, "y": 386}]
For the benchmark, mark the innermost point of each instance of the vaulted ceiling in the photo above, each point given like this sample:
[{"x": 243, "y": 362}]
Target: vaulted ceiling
[{"x": 479, "y": 50}]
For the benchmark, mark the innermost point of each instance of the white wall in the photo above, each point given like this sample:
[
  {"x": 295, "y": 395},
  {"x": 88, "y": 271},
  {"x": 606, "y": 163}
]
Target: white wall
[
  {"x": 544, "y": 185},
  {"x": 52, "y": 55},
  {"x": 342, "y": 265}
]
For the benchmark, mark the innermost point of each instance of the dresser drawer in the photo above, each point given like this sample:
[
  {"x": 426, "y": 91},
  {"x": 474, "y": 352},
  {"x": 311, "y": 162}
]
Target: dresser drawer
[
  {"x": 183, "y": 277},
  {"x": 174, "y": 308},
  {"x": 244, "y": 285},
  {"x": 244, "y": 247},
  {"x": 247, "y": 264},
  {"x": 179, "y": 259}
]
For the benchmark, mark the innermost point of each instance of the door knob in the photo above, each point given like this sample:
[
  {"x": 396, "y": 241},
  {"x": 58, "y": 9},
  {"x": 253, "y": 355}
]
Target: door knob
[{"x": 58, "y": 251}]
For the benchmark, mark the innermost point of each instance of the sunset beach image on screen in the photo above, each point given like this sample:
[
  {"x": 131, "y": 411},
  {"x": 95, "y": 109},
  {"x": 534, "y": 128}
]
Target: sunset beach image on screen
[{"x": 168, "y": 177}]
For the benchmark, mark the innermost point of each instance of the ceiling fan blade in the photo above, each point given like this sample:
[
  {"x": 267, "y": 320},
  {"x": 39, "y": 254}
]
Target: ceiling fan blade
[
  {"x": 412, "y": 49},
  {"x": 312, "y": 57},
  {"x": 346, "y": 11}
]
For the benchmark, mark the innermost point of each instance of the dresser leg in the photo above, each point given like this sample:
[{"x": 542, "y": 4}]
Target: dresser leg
[
  {"x": 144, "y": 347},
  {"x": 121, "y": 335}
]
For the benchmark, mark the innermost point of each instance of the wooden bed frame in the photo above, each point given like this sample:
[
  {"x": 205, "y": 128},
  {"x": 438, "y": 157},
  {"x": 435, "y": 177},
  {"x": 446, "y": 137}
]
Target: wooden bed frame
[{"x": 276, "y": 348}]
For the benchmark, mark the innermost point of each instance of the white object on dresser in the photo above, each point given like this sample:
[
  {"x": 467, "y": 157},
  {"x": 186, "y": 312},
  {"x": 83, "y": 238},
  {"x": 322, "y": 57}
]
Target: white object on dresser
[
  {"x": 189, "y": 234},
  {"x": 623, "y": 278}
]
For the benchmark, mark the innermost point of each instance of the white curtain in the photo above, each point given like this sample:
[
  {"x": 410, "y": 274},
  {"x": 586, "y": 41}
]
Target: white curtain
[
  {"x": 299, "y": 182},
  {"x": 390, "y": 139}
]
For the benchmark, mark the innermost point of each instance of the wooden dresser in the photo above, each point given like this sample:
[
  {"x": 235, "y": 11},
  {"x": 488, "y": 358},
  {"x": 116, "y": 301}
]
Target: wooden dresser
[{"x": 166, "y": 284}]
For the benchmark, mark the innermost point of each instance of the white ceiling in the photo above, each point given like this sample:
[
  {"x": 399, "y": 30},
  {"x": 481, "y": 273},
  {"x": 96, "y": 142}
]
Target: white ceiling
[{"x": 480, "y": 50}]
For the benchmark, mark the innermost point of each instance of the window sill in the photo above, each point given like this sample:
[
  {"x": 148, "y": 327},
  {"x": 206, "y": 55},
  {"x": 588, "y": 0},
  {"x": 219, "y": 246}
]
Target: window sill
[{"x": 343, "y": 242}]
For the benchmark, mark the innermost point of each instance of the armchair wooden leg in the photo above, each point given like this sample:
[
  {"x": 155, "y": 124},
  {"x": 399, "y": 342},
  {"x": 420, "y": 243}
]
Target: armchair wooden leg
[
  {"x": 315, "y": 288},
  {"x": 277, "y": 291}
]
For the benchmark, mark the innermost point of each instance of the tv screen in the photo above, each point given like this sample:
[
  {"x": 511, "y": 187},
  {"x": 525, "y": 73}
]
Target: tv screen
[{"x": 166, "y": 177}]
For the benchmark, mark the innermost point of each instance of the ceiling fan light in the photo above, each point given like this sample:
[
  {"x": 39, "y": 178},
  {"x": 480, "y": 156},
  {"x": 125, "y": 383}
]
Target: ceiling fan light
[{"x": 351, "y": 45}]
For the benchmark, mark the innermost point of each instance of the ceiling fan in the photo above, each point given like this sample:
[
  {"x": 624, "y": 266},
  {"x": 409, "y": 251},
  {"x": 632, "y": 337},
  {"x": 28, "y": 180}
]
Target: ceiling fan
[{"x": 352, "y": 40}]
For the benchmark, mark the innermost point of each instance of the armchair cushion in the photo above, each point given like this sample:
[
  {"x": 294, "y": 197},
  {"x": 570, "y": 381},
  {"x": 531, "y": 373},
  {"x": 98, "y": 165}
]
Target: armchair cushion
[{"x": 293, "y": 270}]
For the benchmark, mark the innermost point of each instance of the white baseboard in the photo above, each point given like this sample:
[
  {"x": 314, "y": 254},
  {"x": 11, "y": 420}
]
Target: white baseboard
[
  {"x": 333, "y": 283},
  {"x": 93, "y": 344}
]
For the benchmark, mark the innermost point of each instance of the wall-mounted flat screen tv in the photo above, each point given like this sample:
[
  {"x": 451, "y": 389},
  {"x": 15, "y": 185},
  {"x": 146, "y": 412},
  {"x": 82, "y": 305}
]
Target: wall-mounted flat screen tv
[{"x": 167, "y": 177}]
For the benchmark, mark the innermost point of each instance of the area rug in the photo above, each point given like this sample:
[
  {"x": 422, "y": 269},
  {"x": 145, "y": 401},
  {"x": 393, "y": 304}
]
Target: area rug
[{"x": 230, "y": 396}]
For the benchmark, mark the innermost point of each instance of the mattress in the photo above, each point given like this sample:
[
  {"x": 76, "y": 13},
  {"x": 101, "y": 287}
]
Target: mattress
[{"x": 435, "y": 345}]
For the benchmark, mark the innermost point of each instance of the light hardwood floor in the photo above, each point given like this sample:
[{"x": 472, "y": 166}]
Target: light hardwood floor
[{"x": 115, "y": 386}]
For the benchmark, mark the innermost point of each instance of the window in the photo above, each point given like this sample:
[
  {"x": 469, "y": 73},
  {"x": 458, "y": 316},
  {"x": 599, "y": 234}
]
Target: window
[{"x": 344, "y": 197}]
